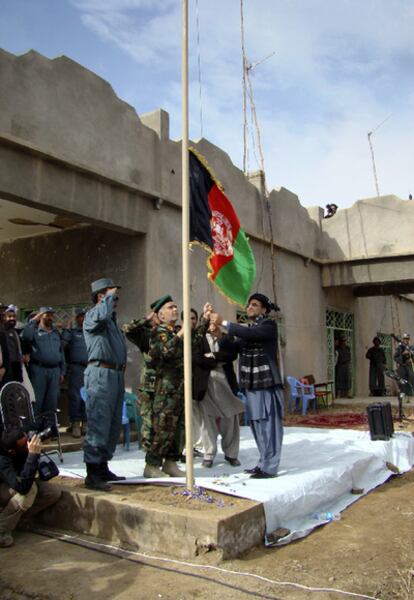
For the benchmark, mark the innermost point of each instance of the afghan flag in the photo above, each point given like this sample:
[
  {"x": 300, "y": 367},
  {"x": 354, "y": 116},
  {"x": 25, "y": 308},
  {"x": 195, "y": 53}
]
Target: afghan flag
[{"x": 215, "y": 225}]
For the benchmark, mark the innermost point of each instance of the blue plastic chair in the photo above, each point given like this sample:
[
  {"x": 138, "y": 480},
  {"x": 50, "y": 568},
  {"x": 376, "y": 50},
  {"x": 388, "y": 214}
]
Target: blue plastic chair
[
  {"x": 126, "y": 427},
  {"x": 300, "y": 392},
  {"x": 132, "y": 413},
  {"x": 129, "y": 413}
]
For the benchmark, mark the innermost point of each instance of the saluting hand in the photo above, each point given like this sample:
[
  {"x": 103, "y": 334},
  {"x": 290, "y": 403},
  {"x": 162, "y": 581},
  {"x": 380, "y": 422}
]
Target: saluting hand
[{"x": 37, "y": 317}]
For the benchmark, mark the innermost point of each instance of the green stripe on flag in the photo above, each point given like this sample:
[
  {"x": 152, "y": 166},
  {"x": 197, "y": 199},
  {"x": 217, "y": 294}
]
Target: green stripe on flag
[{"x": 236, "y": 278}]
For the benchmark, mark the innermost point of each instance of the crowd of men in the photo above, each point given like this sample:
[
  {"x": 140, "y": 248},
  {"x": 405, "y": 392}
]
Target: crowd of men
[{"x": 92, "y": 353}]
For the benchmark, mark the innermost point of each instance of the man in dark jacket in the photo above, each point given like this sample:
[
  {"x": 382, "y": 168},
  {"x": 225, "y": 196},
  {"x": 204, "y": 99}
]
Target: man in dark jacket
[
  {"x": 20, "y": 494},
  {"x": 260, "y": 380},
  {"x": 14, "y": 370},
  {"x": 377, "y": 364}
]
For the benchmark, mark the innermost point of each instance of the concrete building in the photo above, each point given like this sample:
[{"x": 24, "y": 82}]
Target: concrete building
[{"x": 88, "y": 189}]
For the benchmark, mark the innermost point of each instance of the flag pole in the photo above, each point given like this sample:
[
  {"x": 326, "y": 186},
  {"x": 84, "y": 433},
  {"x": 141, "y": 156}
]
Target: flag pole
[{"x": 186, "y": 255}]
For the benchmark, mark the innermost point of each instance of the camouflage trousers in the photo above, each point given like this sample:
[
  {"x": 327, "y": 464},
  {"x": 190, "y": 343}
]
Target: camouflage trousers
[
  {"x": 146, "y": 402},
  {"x": 167, "y": 423}
]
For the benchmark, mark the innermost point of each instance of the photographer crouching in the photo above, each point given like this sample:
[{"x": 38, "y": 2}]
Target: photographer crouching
[{"x": 21, "y": 493}]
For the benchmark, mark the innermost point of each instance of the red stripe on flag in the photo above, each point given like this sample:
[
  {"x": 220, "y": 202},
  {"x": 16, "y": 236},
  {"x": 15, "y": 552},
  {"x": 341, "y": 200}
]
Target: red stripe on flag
[{"x": 225, "y": 227}]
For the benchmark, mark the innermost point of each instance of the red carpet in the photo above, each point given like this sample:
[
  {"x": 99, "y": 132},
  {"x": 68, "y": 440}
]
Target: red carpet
[{"x": 334, "y": 421}]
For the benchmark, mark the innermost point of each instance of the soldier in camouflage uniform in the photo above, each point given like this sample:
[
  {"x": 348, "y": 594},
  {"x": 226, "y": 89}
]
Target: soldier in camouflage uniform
[
  {"x": 138, "y": 331},
  {"x": 166, "y": 349}
]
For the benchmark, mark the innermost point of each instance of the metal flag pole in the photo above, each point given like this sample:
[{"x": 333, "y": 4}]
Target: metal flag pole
[{"x": 186, "y": 254}]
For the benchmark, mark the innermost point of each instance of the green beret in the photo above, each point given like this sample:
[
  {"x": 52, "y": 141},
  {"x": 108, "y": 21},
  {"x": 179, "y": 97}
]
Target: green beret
[{"x": 157, "y": 304}]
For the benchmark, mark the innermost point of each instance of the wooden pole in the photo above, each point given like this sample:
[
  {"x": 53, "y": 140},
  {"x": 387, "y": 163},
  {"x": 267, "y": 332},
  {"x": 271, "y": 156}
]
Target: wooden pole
[{"x": 186, "y": 254}]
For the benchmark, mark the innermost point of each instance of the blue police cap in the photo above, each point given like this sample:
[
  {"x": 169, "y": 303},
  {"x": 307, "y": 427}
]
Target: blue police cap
[
  {"x": 102, "y": 284},
  {"x": 11, "y": 308},
  {"x": 45, "y": 309}
]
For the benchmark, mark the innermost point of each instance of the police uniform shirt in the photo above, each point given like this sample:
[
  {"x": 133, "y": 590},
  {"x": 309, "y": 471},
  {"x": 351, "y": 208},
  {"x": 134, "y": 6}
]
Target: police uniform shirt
[
  {"x": 104, "y": 339},
  {"x": 46, "y": 345},
  {"x": 75, "y": 339}
]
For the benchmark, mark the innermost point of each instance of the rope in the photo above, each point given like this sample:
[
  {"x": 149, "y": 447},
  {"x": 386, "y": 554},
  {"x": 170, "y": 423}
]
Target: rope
[
  {"x": 248, "y": 91},
  {"x": 138, "y": 556},
  {"x": 395, "y": 316},
  {"x": 200, "y": 96},
  {"x": 244, "y": 88}
]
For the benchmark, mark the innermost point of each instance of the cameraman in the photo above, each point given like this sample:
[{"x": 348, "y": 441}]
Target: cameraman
[
  {"x": 20, "y": 493},
  {"x": 404, "y": 357}
]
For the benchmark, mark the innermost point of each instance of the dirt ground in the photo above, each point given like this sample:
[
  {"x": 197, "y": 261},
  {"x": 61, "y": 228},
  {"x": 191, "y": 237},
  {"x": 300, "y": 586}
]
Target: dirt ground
[{"x": 369, "y": 552}]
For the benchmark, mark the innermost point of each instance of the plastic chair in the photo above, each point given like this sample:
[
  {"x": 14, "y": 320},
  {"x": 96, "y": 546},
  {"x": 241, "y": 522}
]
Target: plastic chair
[
  {"x": 300, "y": 392},
  {"x": 133, "y": 414},
  {"x": 129, "y": 413},
  {"x": 126, "y": 426},
  {"x": 323, "y": 390}
]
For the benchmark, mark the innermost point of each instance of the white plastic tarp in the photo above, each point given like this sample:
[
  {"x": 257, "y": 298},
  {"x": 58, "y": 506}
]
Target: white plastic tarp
[{"x": 319, "y": 470}]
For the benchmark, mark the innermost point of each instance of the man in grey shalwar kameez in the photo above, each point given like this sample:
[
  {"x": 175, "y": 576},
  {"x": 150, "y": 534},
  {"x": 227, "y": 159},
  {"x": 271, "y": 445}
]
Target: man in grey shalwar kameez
[
  {"x": 260, "y": 380},
  {"x": 215, "y": 389}
]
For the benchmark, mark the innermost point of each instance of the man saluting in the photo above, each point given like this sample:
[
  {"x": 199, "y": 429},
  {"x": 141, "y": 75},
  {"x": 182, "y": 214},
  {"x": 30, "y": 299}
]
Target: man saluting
[{"x": 104, "y": 383}]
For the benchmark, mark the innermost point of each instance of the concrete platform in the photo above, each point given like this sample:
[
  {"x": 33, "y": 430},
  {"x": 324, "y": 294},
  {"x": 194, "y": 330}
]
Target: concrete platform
[{"x": 171, "y": 525}]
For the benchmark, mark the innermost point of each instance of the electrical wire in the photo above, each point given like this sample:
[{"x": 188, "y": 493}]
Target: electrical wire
[{"x": 135, "y": 556}]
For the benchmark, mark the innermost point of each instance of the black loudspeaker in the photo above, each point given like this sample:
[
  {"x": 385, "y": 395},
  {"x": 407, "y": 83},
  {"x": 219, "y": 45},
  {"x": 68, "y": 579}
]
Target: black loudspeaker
[{"x": 381, "y": 426}]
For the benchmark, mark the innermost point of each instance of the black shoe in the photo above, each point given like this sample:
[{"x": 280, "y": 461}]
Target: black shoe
[
  {"x": 183, "y": 459},
  {"x": 197, "y": 453},
  {"x": 233, "y": 461},
  {"x": 207, "y": 464},
  {"x": 94, "y": 479},
  {"x": 107, "y": 475},
  {"x": 94, "y": 483},
  {"x": 252, "y": 471},
  {"x": 262, "y": 475}
]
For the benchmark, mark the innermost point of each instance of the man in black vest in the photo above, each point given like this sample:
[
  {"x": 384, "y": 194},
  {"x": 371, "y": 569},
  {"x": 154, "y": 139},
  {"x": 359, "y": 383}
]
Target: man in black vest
[{"x": 260, "y": 380}]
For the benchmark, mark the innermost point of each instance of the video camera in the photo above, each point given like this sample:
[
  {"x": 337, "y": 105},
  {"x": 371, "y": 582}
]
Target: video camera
[{"x": 44, "y": 434}]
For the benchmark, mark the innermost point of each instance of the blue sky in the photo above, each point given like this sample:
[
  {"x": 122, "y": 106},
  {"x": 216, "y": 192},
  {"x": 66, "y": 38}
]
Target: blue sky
[{"x": 339, "y": 69}]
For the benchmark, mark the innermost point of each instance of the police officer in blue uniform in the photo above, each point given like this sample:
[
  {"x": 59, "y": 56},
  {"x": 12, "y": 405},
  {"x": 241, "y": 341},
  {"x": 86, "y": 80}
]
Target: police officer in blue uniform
[
  {"x": 104, "y": 383},
  {"x": 47, "y": 361},
  {"x": 77, "y": 356}
]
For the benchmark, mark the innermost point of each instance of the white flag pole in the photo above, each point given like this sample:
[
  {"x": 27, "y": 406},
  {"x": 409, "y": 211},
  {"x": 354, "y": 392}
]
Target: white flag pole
[{"x": 186, "y": 254}]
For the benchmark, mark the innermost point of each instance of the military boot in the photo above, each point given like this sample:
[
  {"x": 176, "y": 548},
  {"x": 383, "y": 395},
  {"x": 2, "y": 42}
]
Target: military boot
[
  {"x": 152, "y": 471},
  {"x": 107, "y": 475},
  {"x": 94, "y": 479},
  {"x": 76, "y": 429},
  {"x": 170, "y": 467}
]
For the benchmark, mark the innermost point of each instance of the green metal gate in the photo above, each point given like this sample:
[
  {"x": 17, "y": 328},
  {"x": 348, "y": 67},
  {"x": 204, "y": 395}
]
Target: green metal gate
[{"x": 340, "y": 324}]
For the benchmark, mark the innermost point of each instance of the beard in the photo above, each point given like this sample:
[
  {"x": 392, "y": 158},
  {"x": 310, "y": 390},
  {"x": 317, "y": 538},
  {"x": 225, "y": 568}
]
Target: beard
[{"x": 10, "y": 324}]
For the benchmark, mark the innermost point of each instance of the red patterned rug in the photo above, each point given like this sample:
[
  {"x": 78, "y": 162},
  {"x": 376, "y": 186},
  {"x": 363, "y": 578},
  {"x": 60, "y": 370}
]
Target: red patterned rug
[{"x": 333, "y": 421}]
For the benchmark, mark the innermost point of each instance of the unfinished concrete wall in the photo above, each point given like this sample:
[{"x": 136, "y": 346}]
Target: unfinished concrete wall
[
  {"x": 380, "y": 314},
  {"x": 58, "y": 268},
  {"x": 86, "y": 152},
  {"x": 372, "y": 227}
]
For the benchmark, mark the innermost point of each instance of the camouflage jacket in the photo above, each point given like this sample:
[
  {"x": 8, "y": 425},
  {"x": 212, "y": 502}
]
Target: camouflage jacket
[
  {"x": 167, "y": 349},
  {"x": 138, "y": 332}
]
